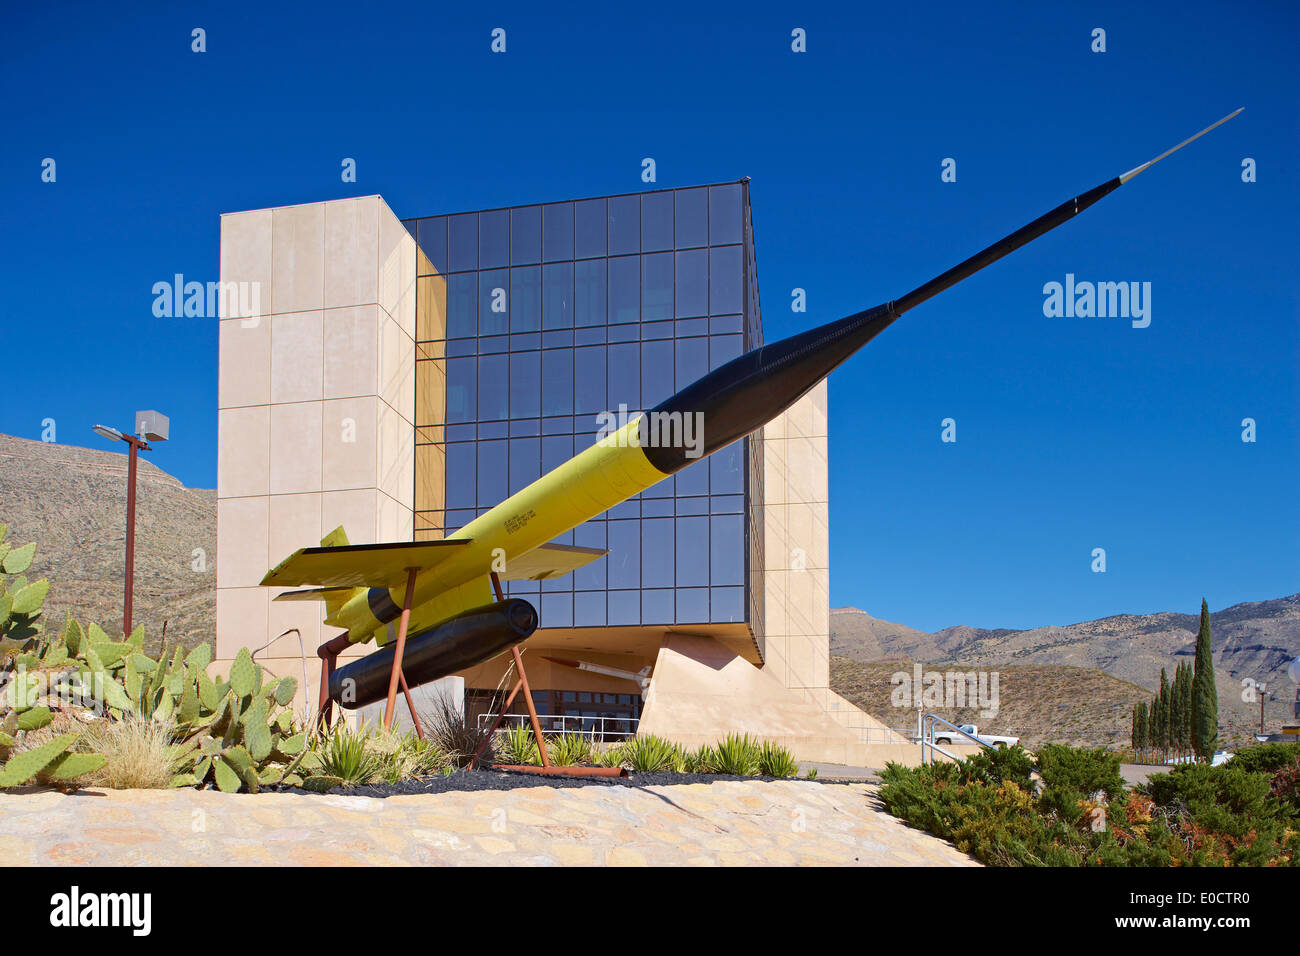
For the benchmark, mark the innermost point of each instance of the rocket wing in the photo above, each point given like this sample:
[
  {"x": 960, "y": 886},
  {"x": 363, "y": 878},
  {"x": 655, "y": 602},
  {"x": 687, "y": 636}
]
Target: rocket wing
[
  {"x": 360, "y": 565},
  {"x": 550, "y": 561}
]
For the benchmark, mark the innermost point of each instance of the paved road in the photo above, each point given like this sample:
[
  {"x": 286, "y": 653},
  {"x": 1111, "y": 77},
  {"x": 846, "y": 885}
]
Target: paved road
[{"x": 736, "y": 823}]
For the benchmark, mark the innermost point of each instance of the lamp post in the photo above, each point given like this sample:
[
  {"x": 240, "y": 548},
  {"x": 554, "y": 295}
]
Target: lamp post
[{"x": 149, "y": 426}]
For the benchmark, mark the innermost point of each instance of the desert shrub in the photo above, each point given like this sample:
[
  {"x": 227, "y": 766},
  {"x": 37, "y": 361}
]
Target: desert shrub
[
  {"x": 405, "y": 756},
  {"x": 737, "y": 754},
  {"x": 1285, "y": 785},
  {"x": 1004, "y": 764},
  {"x": 344, "y": 755},
  {"x": 456, "y": 734},
  {"x": 774, "y": 761},
  {"x": 646, "y": 753},
  {"x": 1266, "y": 758},
  {"x": 517, "y": 746},
  {"x": 1085, "y": 771},
  {"x": 1195, "y": 815},
  {"x": 568, "y": 749},
  {"x": 138, "y": 753},
  {"x": 610, "y": 755}
]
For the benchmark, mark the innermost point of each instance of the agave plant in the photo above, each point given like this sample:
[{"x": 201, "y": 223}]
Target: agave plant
[
  {"x": 737, "y": 754},
  {"x": 517, "y": 746},
  {"x": 775, "y": 761},
  {"x": 345, "y": 756},
  {"x": 650, "y": 754},
  {"x": 568, "y": 749}
]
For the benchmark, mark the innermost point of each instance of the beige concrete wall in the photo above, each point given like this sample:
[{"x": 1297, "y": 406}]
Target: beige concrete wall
[
  {"x": 796, "y": 546},
  {"x": 796, "y": 552},
  {"x": 316, "y": 402}
]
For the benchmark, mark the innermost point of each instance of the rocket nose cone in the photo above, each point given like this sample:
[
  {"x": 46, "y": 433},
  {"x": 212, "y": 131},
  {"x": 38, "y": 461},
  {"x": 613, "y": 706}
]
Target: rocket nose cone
[{"x": 522, "y": 616}]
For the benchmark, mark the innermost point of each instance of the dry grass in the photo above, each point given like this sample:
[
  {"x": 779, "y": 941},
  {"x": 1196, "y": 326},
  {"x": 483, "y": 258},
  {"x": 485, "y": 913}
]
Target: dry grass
[{"x": 138, "y": 753}]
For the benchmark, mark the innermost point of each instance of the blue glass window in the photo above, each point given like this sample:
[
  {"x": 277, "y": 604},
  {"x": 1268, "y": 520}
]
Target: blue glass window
[
  {"x": 557, "y": 382},
  {"x": 557, "y": 232},
  {"x": 463, "y": 242},
  {"x": 656, "y": 221},
  {"x": 526, "y": 299},
  {"x": 657, "y": 283},
  {"x": 724, "y": 214},
  {"x": 493, "y": 387},
  {"x": 525, "y": 384},
  {"x": 433, "y": 241},
  {"x": 624, "y": 289},
  {"x": 725, "y": 281},
  {"x": 624, "y": 225},
  {"x": 557, "y": 296},
  {"x": 589, "y": 292},
  {"x": 494, "y": 301},
  {"x": 692, "y": 226},
  {"x": 461, "y": 391},
  {"x": 525, "y": 235},
  {"x": 589, "y": 228},
  {"x": 461, "y": 481},
  {"x": 494, "y": 239}
]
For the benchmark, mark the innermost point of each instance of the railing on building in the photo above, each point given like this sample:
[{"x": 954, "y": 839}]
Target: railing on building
[
  {"x": 928, "y": 722},
  {"x": 599, "y": 729}
]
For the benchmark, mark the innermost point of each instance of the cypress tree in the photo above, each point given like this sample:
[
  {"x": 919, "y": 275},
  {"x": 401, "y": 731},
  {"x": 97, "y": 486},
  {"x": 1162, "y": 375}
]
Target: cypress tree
[
  {"x": 1205, "y": 697},
  {"x": 1165, "y": 704},
  {"x": 1140, "y": 733}
]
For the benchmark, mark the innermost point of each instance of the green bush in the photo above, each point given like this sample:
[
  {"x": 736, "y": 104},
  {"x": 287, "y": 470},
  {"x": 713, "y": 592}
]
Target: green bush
[
  {"x": 1266, "y": 758},
  {"x": 568, "y": 749},
  {"x": 1002, "y": 765},
  {"x": 774, "y": 761},
  {"x": 738, "y": 755},
  {"x": 1195, "y": 815},
  {"x": 516, "y": 746},
  {"x": 646, "y": 753}
]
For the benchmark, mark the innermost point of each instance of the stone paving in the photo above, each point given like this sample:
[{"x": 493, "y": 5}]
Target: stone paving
[{"x": 727, "y": 823}]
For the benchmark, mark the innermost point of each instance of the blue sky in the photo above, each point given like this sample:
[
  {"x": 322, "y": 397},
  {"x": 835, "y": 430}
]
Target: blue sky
[{"x": 1072, "y": 434}]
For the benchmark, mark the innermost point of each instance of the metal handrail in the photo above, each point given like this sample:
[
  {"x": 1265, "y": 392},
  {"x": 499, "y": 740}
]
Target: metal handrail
[
  {"x": 593, "y": 725},
  {"x": 927, "y": 737}
]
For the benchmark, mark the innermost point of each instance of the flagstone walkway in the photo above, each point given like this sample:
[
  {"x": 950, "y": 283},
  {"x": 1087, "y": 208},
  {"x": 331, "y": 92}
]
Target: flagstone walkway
[{"x": 736, "y": 823}]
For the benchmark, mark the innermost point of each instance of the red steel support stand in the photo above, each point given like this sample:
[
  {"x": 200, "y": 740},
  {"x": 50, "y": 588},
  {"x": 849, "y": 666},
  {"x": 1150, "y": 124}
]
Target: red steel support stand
[
  {"x": 397, "y": 676},
  {"x": 521, "y": 683}
]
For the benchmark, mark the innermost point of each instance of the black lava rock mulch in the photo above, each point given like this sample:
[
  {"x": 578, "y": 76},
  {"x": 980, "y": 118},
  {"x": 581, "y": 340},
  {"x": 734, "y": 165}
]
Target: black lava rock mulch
[{"x": 463, "y": 780}]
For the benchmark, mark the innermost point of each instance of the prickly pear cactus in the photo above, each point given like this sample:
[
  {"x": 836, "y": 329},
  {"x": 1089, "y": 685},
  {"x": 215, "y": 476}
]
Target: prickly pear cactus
[
  {"x": 236, "y": 732},
  {"x": 25, "y": 660}
]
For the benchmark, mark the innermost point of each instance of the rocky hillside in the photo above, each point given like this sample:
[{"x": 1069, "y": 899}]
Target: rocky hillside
[
  {"x": 1253, "y": 640},
  {"x": 1037, "y": 703},
  {"x": 72, "y": 502}
]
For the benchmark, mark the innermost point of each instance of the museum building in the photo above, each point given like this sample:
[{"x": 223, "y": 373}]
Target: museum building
[{"x": 401, "y": 377}]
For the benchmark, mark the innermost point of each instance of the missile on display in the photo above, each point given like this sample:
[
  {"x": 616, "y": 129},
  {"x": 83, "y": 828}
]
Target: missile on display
[{"x": 366, "y": 587}]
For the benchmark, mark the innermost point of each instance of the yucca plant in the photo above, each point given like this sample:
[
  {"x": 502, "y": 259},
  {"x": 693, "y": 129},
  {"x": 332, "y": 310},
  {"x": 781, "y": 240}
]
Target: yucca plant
[
  {"x": 738, "y": 755},
  {"x": 405, "y": 756},
  {"x": 650, "y": 754},
  {"x": 345, "y": 756},
  {"x": 607, "y": 756},
  {"x": 701, "y": 760},
  {"x": 517, "y": 746},
  {"x": 775, "y": 761},
  {"x": 568, "y": 749}
]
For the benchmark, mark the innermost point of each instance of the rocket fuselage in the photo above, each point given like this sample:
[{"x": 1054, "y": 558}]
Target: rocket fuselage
[{"x": 725, "y": 405}]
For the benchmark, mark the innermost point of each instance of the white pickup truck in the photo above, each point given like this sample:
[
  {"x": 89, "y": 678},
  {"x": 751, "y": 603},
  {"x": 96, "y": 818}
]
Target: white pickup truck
[{"x": 945, "y": 735}]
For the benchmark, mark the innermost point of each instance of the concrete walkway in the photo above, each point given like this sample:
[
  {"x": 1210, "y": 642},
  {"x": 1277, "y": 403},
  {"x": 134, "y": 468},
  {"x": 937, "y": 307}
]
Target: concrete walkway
[{"x": 736, "y": 823}]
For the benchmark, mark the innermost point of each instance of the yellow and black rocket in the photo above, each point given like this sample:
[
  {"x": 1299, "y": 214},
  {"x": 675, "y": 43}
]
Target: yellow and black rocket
[{"x": 454, "y": 623}]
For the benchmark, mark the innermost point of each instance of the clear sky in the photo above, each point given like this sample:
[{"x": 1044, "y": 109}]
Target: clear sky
[{"x": 1072, "y": 433}]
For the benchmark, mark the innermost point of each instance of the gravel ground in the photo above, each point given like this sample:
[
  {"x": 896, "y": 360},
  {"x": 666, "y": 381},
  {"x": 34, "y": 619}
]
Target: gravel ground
[{"x": 468, "y": 780}]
